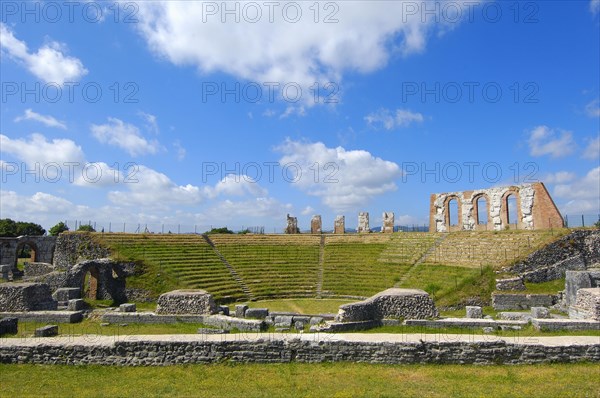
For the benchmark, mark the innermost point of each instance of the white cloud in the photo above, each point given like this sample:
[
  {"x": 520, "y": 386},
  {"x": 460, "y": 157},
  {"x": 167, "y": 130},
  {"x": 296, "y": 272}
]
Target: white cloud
[
  {"x": 595, "y": 6},
  {"x": 592, "y": 109},
  {"x": 125, "y": 136},
  {"x": 583, "y": 194},
  {"x": 44, "y": 119},
  {"x": 560, "y": 177},
  {"x": 151, "y": 123},
  {"x": 365, "y": 36},
  {"x": 181, "y": 151},
  {"x": 149, "y": 188},
  {"x": 390, "y": 121},
  {"x": 293, "y": 110},
  {"x": 257, "y": 209},
  {"x": 346, "y": 180},
  {"x": 592, "y": 151},
  {"x": 307, "y": 211},
  {"x": 50, "y": 63},
  {"x": 546, "y": 141},
  {"x": 236, "y": 185},
  {"x": 38, "y": 150}
]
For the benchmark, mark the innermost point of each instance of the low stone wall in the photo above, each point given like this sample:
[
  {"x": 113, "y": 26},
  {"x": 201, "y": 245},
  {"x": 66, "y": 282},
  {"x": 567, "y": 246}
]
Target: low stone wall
[
  {"x": 37, "y": 269},
  {"x": 46, "y": 316},
  {"x": 74, "y": 247},
  {"x": 505, "y": 302},
  {"x": 16, "y": 297},
  {"x": 391, "y": 303},
  {"x": 276, "y": 348},
  {"x": 587, "y": 304},
  {"x": 186, "y": 302},
  {"x": 575, "y": 280},
  {"x": 552, "y": 325},
  {"x": 219, "y": 321}
]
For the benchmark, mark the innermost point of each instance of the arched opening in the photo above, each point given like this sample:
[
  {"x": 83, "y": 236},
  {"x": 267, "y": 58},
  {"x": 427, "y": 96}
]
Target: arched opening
[
  {"x": 511, "y": 209},
  {"x": 453, "y": 212},
  {"x": 482, "y": 210},
  {"x": 90, "y": 284},
  {"x": 26, "y": 253}
]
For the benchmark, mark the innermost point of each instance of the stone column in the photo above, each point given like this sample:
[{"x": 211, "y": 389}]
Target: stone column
[
  {"x": 292, "y": 225},
  {"x": 363, "y": 222},
  {"x": 315, "y": 225},
  {"x": 339, "y": 225},
  {"x": 388, "y": 223}
]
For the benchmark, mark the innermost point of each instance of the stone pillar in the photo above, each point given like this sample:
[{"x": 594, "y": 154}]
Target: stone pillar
[
  {"x": 315, "y": 225},
  {"x": 388, "y": 223},
  {"x": 363, "y": 222},
  {"x": 292, "y": 225},
  {"x": 339, "y": 225}
]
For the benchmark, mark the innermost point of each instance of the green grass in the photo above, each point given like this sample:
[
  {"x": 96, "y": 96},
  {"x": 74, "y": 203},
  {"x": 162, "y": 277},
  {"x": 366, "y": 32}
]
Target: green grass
[
  {"x": 302, "y": 380},
  {"x": 302, "y": 306},
  {"x": 550, "y": 287}
]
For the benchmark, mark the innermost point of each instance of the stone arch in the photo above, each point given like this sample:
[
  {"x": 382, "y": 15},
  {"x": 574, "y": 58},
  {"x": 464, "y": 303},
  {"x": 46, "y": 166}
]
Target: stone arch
[
  {"x": 34, "y": 251},
  {"x": 507, "y": 221},
  {"x": 477, "y": 216},
  {"x": 449, "y": 213},
  {"x": 89, "y": 283}
]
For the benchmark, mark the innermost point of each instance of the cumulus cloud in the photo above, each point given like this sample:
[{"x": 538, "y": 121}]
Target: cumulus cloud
[
  {"x": 583, "y": 194},
  {"x": 125, "y": 136},
  {"x": 346, "y": 180},
  {"x": 236, "y": 185},
  {"x": 560, "y": 177},
  {"x": 392, "y": 120},
  {"x": 38, "y": 150},
  {"x": 592, "y": 150},
  {"x": 595, "y": 6},
  {"x": 307, "y": 211},
  {"x": 181, "y": 151},
  {"x": 49, "y": 63},
  {"x": 546, "y": 141},
  {"x": 44, "y": 119},
  {"x": 272, "y": 49}
]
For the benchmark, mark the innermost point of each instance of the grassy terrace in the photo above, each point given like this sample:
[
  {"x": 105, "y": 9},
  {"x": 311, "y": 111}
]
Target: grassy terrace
[{"x": 449, "y": 266}]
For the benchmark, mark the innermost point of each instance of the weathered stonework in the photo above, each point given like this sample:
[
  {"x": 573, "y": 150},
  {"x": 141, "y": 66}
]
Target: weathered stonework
[
  {"x": 576, "y": 280},
  {"x": 388, "y": 223},
  {"x": 186, "y": 302},
  {"x": 292, "y": 225},
  {"x": 42, "y": 249},
  {"x": 587, "y": 304},
  {"x": 535, "y": 209},
  {"x": 363, "y": 223},
  {"x": 15, "y": 297},
  {"x": 506, "y": 302},
  {"x": 316, "y": 225},
  {"x": 339, "y": 225},
  {"x": 510, "y": 284},
  {"x": 391, "y": 303},
  {"x": 74, "y": 247}
]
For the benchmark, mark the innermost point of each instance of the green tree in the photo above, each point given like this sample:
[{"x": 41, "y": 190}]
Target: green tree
[
  {"x": 58, "y": 228},
  {"x": 30, "y": 229},
  {"x": 8, "y": 227},
  {"x": 86, "y": 228},
  {"x": 222, "y": 230}
]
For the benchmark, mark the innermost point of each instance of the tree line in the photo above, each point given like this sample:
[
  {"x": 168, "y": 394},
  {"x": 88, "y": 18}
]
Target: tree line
[{"x": 10, "y": 228}]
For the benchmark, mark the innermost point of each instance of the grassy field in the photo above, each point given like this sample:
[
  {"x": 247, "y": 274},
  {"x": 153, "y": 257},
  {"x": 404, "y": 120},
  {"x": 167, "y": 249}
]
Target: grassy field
[
  {"x": 302, "y": 380},
  {"x": 302, "y": 306}
]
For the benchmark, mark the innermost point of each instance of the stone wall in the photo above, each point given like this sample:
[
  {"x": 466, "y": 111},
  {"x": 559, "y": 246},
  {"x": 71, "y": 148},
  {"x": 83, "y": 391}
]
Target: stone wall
[
  {"x": 363, "y": 222},
  {"x": 15, "y": 297},
  {"x": 578, "y": 250},
  {"x": 74, "y": 247},
  {"x": 506, "y": 302},
  {"x": 388, "y": 223},
  {"x": 292, "y": 225},
  {"x": 311, "y": 348},
  {"x": 535, "y": 209},
  {"x": 587, "y": 304},
  {"x": 37, "y": 269},
  {"x": 43, "y": 246},
  {"x": 339, "y": 225},
  {"x": 186, "y": 302},
  {"x": 576, "y": 280},
  {"x": 316, "y": 225},
  {"x": 391, "y": 303}
]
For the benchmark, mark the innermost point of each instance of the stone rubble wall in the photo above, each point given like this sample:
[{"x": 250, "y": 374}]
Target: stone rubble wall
[
  {"x": 391, "y": 303},
  {"x": 72, "y": 248},
  {"x": 279, "y": 349},
  {"x": 186, "y": 302},
  {"x": 588, "y": 303},
  {"x": 37, "y": 269},
  {"x": 505, "y": 302},
  {"x": 15, "y": 297}
]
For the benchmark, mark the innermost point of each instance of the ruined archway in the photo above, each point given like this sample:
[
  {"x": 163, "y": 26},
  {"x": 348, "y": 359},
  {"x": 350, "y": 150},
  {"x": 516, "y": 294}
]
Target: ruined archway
[
  {"x": 510, "y": 210},
  {"x": 453, "y": 213},
  {"x": 481, "y": 211},
  {"x": 26, "y": 252},
  {"x": 89, "y": 288}
]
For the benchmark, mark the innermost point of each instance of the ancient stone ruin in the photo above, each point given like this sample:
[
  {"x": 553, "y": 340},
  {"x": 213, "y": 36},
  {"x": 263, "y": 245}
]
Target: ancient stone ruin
[
  {"x": 316, "y": 225},
  {"x": 15, "y": 297},
  {"x": 339, "y": 225},
  {"x": 489, "y": 209},
  {"x": 194, "y": 301},
  {"x": 41, "y": 248},
  {"x": 363, "y": 222},
  {"x": 292, "y": 225},
  {"x": 388, "y": 223}
]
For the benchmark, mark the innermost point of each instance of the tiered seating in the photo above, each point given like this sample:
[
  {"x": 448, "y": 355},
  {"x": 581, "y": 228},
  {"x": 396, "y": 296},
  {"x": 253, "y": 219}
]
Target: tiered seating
[
  {"x": 273, "y": 265},
  {"x": 476, "y": 249},
  {"x": 352, "y": 266},
  {"x": 188, "y": 259},
  {"x": 407, "y": 248}
]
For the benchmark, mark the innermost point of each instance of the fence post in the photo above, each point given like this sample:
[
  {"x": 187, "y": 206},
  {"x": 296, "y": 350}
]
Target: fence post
[
  {"x": 566, "y": 221},
  {"x": 582, "y": 221}
]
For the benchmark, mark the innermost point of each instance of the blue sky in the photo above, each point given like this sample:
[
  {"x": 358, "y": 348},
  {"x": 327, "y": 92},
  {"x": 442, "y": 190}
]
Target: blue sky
[{"x": 194, "y": 114}]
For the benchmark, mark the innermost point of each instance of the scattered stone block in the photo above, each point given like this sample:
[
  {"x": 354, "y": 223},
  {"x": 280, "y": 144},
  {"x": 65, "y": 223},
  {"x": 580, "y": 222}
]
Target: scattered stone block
[
  {"x": 223, "y": 309},
  {"x": 391, "y": 303},
  {"x": 257, "y": 313},
  {"x": 474, "y": 312},
  {"x": 47, "y": 331},
  {"x": 65, "y": 294},
  {"x": 187, "y": 301},
  {"x": 510, "y": 284},
  {"x": 212, "y": 331},
  {"x": 299, "y": 325},
  {"x": 315, "y": 320},
  {"x": 9, "y": 325},
  {"x": 488, "y": 329},
  {"x": 240, "y": 310},
  {"x": 540, "y": 312},
  {"x": 5, "y": 271},
  {"x": 283, "y": 321},
  {"x": 75, "y": 305},
  {"x": 127, "y": 307}
]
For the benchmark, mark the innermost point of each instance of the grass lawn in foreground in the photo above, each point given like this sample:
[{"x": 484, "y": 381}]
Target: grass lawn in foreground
[
  {"x": 302, "y": 306},
  {"x": 302, "y": 380}
]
